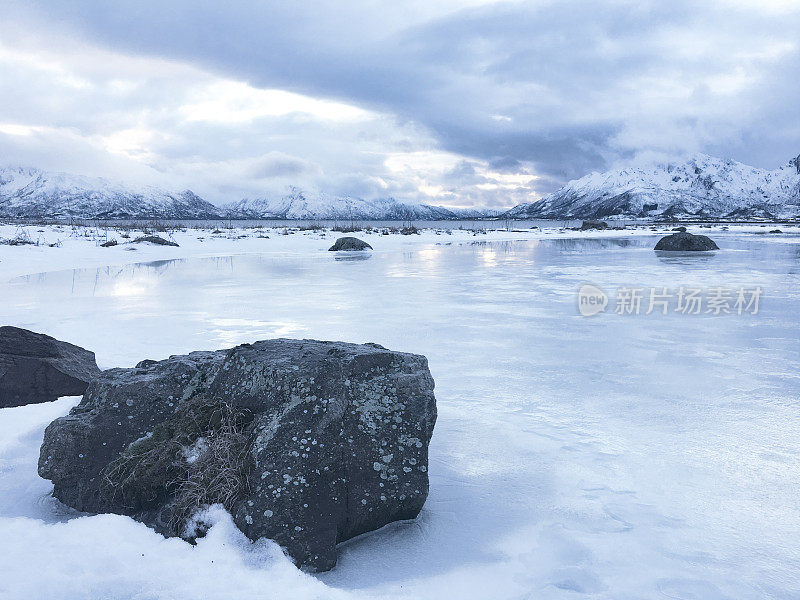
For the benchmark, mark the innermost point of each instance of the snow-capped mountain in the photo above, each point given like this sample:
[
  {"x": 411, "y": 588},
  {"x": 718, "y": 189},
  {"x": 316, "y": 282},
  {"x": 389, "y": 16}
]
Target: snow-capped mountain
[
  {"x": 29, "y": 193},
  {"x": 702, "y": 187},
  {"x": 298, "y": 204},
  {"x": 32, "y": 193}
]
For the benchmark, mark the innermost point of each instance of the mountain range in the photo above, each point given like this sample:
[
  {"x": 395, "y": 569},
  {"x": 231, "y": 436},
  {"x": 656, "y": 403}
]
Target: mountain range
[
  {"x": 30, "y": 193},
  {"x": 297, "y": 204},
  {"x": 700, "y": 187}
]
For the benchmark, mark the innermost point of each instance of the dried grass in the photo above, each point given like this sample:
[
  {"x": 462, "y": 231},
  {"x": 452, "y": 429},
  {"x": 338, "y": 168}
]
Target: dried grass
[{"x": 156, "y": 470}]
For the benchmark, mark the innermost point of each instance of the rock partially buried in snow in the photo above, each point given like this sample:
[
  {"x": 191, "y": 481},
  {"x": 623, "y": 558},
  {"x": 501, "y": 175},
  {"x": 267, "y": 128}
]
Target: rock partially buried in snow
[
  {"x": 349, "y": 243},
  {"x": 308, "y": 443},
  {"x": 154, "y": 239},
  {"x": 38, "y": 368},
  {"x": 587, "y": 225},
  {"x": 685, "y": 242}
]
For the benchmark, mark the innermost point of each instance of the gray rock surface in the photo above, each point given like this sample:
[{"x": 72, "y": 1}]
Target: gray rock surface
[
  {"x": 600, "y": 225},
  {"x": 308, "y": 443},
  {"x": 154, "y": 239},
  {"x": 349, "y": 243},
  {"x": 686, "y": 242},
  {"x": 38, "y": 368}
]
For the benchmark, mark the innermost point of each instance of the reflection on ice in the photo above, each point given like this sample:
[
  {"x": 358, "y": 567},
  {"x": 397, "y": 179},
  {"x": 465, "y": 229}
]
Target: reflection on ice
[
  {"x": 352, "y": 256},
  {"x": 685, "y": 258},
  {"x": 229, "y": 330},
  {"x": 158, "y": 265}
]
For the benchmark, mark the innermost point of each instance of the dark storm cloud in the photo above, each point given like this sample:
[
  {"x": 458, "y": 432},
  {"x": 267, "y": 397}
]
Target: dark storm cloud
[
  {"x": 277, "y": 164},
  {"x": 562, "y": 87}
]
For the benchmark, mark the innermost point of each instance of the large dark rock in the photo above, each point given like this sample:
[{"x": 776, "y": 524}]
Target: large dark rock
[
  {"x": 154, "y": 239},
  {"x": 38, "y": 368},
  {"x": 349, "y": 243},
  {"x": 685, "y": 242},
  {"x": 587, "y": 225},
  {"x": 308, "y": 443}
]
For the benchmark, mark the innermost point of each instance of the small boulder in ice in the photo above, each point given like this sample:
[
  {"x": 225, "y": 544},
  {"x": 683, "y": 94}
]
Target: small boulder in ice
[
  {"x": 685, "y": 242},
  {"x": 599, "y": 225},
  {"x": 38, "y": 368},
  {"x": 349, "y": 243}
]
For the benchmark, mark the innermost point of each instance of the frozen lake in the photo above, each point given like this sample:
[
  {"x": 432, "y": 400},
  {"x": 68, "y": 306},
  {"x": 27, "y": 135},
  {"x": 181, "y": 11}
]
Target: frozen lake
[{"x": 615, "y": 456}]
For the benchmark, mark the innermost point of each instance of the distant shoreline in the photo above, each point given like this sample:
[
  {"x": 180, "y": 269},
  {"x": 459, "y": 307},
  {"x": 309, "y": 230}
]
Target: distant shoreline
[{"x": 350, "y": 223}]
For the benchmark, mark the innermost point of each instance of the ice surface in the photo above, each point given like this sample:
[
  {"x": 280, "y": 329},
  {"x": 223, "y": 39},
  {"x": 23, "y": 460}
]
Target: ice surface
[{"x": 610, "y": 457}]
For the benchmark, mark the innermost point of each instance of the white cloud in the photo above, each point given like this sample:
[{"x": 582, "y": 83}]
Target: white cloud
[
  {"x": 461, "y": 102},
  {"x": 226, "y": 101},
  {"x": 144, "y": 119},
  {"x": 147, "y": 119}
]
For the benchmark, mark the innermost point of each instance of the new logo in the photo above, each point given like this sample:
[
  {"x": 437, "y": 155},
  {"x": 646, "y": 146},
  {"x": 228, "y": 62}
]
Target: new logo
[{"x": 591, "y": 300}]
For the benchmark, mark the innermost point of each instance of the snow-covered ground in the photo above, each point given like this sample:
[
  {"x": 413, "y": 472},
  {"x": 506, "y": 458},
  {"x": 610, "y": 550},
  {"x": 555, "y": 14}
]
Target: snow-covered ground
[
  {"x": 79, "y": 247},
  {"x": 615, "y": 456}
]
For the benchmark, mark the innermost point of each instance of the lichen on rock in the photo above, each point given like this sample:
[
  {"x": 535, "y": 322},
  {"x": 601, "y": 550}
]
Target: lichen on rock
[{"x": 285, "y": 434}]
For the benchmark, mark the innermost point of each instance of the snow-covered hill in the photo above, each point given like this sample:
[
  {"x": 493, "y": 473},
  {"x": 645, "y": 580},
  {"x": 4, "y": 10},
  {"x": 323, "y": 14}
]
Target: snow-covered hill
[
  {"x": 29, "y": 193},
  {"x": 700, "y": 187},
  {"x": 32, "y": 193},
  {"x": 297, "y": 204}
]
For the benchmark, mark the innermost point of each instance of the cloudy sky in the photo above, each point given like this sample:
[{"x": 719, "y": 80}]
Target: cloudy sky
[{"x": 454, "y": 102}]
